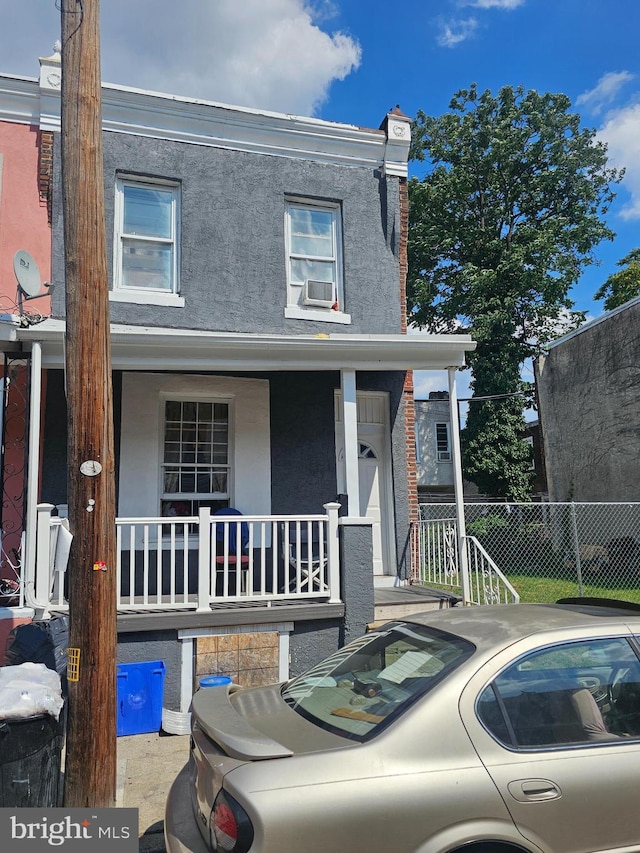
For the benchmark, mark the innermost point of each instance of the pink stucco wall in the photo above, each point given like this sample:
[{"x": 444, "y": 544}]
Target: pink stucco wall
[
  {"x": 23, "y": 214},
  {"x": 23, "y": 225}
]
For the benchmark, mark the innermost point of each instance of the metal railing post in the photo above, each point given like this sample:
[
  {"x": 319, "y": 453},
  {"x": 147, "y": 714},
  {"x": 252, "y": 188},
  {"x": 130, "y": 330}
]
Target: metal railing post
[
  {"x": 463, "y": 556},
  {"x": 333, "y": 552},
  {"x": 204, "y": 559},
  {"x": 576, "y": 547}
]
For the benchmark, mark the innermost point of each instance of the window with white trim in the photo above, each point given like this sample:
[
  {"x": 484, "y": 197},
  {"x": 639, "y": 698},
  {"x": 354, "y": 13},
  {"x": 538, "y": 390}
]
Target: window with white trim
[
  {"x": 443, "y": 443},
  {"x": 195, "y": 461},
  {"x": 146, "y": 237},
  {"x": 314, "y": 260}
]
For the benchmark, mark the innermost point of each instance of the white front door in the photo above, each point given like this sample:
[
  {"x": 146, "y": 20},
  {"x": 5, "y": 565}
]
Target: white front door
[
  {"x": 371, "y": 500},
  {"x": 373, "y": 475}
]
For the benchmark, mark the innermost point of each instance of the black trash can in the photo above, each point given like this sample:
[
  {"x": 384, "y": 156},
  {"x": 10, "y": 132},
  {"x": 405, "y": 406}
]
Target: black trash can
[{"x": 30, "y": 756}]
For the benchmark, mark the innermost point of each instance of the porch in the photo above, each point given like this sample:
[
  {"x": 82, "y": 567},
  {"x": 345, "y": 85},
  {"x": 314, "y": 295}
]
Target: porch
[
  {"x": 199, "y": 563},
  {"x": 186, "y": 568}
]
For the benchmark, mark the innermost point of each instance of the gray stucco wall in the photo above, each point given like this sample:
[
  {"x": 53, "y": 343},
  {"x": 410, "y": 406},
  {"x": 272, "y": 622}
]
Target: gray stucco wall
[
  {"x": 53, "y": 487},
  {"x": 310, "y": 642},
  {"x": 589, "y": 391},
  {"x": 232, "y": 236},
  {"x": 303, "y": 453},
  {"x": 356, "y": 553},
  {"x": 150, "y": 646}
]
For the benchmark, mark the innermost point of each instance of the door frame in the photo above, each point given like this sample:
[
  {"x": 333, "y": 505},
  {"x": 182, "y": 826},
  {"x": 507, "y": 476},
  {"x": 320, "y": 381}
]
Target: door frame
[{"x": 376, "y": 430}]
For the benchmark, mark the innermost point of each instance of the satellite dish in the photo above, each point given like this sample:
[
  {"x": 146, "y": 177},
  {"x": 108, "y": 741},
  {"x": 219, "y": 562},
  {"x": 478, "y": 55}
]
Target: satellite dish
[{"x": 27, "y": 273}]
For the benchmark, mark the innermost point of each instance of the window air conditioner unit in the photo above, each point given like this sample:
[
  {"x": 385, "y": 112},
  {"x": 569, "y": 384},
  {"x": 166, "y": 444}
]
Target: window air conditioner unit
[
  {"x": 318, "y": 293},
  {"x": 444, "y": 456}
]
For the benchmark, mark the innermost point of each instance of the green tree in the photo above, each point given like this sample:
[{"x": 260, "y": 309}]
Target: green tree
[
  {"x": 500, "y": 228},
  {"x": 624, "y": 285}
]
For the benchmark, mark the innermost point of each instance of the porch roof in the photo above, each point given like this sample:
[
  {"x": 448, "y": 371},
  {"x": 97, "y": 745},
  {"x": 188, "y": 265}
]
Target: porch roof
[{"x": 154, "y": 348}]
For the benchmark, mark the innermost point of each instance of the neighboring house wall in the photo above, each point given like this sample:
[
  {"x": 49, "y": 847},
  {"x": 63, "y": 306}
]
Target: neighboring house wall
[
  {"x": 434, "y": 466},
  {"x": 589, "y": 395},
  {"x": 25, "y": 168},
  {"x": 24, "y": 220},
  {"x": 533, "y": 437},
  {"x": 435, "y": 452}
]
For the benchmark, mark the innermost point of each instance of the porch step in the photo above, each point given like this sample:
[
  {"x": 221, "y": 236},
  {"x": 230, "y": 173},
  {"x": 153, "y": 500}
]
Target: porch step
[{"x": 401, "y": 602}]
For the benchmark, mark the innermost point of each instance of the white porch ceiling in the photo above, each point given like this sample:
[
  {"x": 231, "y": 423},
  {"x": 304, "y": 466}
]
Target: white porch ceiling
[{"x": 150, "y": 348}]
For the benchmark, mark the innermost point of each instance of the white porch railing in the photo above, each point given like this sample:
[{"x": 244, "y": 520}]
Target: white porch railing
[
  {"x": 487, "y": 584},
  {"x": 199, "y": 562},
  {"x": 436, "y": 563}
]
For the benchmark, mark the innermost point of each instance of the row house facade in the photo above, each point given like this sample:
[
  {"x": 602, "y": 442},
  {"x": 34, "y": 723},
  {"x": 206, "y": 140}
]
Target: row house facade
[{"x": 263, "y": 404}]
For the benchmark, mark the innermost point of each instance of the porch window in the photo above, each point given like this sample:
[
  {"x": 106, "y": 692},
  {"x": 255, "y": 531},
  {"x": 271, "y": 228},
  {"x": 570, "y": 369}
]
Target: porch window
[
  {"x": 443, "y": 444},
  {"x": 195, "y": 464},
  {"x": 314, "y": 261},
  {"x": 146, "y": 218}
]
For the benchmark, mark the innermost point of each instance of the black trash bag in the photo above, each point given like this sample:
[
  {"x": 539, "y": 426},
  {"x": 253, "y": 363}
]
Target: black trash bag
[
  {"x": 30, "y": 759},
  {"x": 40, "y": 642}
]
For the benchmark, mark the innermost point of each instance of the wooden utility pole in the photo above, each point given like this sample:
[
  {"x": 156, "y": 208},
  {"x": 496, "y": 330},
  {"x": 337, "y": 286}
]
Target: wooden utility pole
[{"x": 90, "y": 768}]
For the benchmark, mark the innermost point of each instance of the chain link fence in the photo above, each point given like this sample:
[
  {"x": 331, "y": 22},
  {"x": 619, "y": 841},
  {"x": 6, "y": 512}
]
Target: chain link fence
[{"x": 556, "y": 550}]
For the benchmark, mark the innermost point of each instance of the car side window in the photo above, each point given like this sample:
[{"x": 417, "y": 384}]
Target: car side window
[{"x": 575, "y": 693}]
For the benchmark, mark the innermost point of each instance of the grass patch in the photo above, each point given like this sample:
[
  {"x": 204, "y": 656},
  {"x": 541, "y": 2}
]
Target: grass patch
[
  {"x": 537, "y": 590},
  {"x": 544, "y": 590}
]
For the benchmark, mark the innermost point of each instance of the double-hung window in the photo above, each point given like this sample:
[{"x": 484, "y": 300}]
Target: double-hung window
[
  {"x": 146, "y": 241},
  {"x": 195, "y": 461},
  {"x": 314, "y": 261},
  {"x": 443, "y": 444}
]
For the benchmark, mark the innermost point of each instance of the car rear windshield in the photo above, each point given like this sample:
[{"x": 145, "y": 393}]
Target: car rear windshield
[{"x": 360, "y": 689}]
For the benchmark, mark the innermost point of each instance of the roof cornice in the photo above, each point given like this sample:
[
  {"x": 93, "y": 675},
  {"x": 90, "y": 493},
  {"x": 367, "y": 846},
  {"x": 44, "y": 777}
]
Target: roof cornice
[
  {"x": 198, "y": 122},
  {"x": 19, "y": 100}
]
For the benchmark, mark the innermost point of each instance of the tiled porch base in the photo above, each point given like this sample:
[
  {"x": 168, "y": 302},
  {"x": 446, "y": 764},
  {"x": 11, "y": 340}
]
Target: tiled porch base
[{"x": 250, "y": 659}]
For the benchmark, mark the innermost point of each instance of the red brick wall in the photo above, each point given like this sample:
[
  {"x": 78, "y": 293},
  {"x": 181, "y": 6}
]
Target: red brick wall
[
  {"x": 409, "y": 409},
  {"x": 45, "y": 169}
]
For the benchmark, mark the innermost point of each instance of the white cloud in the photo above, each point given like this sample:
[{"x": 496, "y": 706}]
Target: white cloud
[
  {"x": 604, "y": 92},
  {"x": 269, "y": 54},
  {"x": 621, "y": 132},
  {"x": 455, "y": 32},
  {"x": 425, "y": 381},
  {"x": 494, "y": 4}
]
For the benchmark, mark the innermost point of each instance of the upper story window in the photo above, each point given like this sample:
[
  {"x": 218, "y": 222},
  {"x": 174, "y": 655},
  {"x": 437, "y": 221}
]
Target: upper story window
[
  {"x": 146, "y": 242},
  {"x": 314, "y": 262},
  {"x": 443, "y": 443}
]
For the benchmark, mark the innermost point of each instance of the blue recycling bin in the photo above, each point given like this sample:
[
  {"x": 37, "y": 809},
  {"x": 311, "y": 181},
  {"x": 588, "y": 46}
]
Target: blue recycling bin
[
  {"x": 214, "y": 680},
  {"x": 140, "y": 697}
]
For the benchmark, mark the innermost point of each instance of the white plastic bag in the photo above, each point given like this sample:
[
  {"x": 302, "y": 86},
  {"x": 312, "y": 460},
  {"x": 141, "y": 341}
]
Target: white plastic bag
[{"x": 29, "y": 689}]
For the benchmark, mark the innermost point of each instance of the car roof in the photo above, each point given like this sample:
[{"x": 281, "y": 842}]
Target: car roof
[{"x": 498, "y": 625}]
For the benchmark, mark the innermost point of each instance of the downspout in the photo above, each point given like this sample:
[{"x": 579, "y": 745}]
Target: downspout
[{"x": 461, "y": 531}]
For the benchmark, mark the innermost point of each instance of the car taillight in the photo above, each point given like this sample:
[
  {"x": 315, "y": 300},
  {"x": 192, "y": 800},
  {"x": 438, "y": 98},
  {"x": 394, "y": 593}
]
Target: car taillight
[{"x": 230, "y": 827}]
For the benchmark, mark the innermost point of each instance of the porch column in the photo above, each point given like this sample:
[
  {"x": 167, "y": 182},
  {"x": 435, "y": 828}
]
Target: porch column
[
  {"x": 350, "y": 425},
  {"x": 457, "y": 486},
  {"x": 33, "y": 468}
]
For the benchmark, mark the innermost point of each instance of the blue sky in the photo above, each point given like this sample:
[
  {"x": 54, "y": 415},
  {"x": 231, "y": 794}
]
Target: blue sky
[{"x": 352, "y": 60}]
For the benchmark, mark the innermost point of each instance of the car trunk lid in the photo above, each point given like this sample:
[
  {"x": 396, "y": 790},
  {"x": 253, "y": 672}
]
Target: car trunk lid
[{"x": 232, "y": 731}]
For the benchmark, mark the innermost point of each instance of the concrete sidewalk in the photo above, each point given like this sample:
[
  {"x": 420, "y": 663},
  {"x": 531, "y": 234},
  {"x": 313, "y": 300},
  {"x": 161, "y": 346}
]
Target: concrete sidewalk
[{"x": 147, "y": 766}]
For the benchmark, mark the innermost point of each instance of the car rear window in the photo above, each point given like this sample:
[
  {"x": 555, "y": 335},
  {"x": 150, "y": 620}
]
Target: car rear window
[{"x": 358, "y": 690}]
